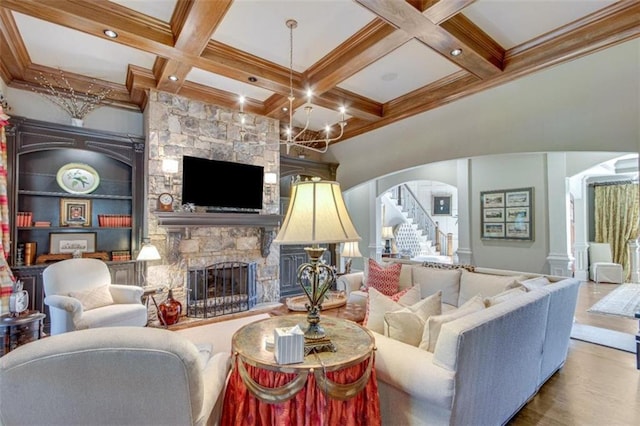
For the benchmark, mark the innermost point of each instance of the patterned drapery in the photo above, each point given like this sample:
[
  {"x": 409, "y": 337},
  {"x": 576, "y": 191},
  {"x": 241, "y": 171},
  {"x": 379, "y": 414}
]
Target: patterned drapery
[
  {"x": 616, "y": 219},
  {"x": 6, "y": 276}
]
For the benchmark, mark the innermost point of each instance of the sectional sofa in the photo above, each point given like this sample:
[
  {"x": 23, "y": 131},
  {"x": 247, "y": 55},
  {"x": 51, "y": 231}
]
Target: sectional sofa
[{"x": 486, "y": 365}]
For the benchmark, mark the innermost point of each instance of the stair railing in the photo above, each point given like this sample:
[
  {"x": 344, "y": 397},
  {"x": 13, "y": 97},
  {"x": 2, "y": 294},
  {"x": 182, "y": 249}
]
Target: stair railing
[{"x": 415, "y": 210}]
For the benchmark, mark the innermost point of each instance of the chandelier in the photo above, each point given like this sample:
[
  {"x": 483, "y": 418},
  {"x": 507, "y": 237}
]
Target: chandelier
[{"x": 294, "y": 136}]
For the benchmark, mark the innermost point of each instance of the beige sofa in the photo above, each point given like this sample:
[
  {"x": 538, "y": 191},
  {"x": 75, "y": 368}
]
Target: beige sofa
[{"x": 485, "y": 365}]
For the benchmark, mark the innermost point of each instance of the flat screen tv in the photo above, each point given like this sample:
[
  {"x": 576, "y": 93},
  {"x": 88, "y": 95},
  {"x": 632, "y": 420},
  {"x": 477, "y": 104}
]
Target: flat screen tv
[{"x": 222, "y": 185}]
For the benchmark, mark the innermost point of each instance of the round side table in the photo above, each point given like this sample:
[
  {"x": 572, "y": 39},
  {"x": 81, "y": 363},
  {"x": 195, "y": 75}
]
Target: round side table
[{"x": 17, "y": 331}]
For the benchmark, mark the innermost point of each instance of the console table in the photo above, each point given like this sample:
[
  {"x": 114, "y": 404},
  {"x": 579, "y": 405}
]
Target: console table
[{"x": 325, "y": 388}]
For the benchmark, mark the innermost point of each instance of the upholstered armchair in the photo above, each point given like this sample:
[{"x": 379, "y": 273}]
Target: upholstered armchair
[
  {"x": 602, "y": 269},
  {"x": 80, "y": 295},
  {"x": 112, "y": 376}
]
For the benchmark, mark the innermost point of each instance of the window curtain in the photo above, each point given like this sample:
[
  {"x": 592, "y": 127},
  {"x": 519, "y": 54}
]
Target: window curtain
[
  {"x": 6, "y": 276},
  {"x": 616, "y": 219}
]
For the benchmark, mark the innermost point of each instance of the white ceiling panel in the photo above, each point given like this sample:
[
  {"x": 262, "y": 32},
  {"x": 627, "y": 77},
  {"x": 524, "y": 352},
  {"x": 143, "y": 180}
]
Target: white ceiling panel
[
  {"x": 159, "y": 9},
  {"x": 258, "y": 27},
  {"x": 411, "y": 66},
  {"x": 73, "y": 51},
  {"x": 513, "y": 22},
  {"x": 219, "y": 82}
]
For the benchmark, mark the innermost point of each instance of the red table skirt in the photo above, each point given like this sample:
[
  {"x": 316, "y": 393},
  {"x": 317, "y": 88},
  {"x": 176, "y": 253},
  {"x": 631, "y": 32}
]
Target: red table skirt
[{"x": 309, "y": 407}]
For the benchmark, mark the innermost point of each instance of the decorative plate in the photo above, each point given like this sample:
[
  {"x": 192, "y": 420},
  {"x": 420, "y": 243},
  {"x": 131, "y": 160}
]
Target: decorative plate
[{"x": 78, "y": 178}]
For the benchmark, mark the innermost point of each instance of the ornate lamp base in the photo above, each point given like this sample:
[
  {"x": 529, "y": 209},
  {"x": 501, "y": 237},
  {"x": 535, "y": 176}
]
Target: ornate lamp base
[{"x": 318, "y": 345}]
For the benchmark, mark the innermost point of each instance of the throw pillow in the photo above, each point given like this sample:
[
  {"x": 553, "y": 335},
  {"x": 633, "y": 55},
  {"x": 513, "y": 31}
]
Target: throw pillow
[
  {"x": 385, "y": 280},
  {"x": 533, "y": 283},
  {"x": 505, "y": 295},
  {"x": 377, "y": 305},
  {"x": 431, "y": 280},
  {"x": 406, "y": 325},
  {"x": 93, "y": 298},
  {"x": 474, "y": 283},
  {"x": 434, "y": 323},
  {"x": 408, "y": 296}
]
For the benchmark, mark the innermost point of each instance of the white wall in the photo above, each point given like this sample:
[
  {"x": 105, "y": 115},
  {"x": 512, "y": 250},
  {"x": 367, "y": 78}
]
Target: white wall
[{"x": 31, "y": 105}]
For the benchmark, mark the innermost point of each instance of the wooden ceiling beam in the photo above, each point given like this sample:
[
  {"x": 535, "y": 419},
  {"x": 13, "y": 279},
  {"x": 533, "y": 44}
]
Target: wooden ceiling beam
[
  {"x": 193, "y": 23},
  {"x": 405, "y": 17},
  {"x": 15, "y": 58},
  {"x": 439, "y": 11}
]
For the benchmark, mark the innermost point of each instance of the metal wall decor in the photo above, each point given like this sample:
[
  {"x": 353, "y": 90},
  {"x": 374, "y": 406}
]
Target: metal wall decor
[{"x": 507, "y": 214}]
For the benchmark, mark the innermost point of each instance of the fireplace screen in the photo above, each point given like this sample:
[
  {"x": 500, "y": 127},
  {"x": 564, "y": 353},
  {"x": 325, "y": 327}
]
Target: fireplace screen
[{"x": 220, "y": 289}]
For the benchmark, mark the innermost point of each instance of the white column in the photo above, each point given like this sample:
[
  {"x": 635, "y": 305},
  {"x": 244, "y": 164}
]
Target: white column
[
  {"x": 634, "y": 260},
  {"x": 375, "y": 222},
  {"x": 559, "y": 234},
  {"x": 464, "y": 252}
]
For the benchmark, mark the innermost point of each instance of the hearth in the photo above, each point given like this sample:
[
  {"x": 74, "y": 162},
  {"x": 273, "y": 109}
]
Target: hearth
[{"x": 221, "y": 288}]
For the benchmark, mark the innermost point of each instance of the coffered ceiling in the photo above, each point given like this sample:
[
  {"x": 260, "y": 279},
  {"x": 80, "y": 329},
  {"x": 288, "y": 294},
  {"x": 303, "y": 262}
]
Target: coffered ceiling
[{"x": 384, "y": 60}]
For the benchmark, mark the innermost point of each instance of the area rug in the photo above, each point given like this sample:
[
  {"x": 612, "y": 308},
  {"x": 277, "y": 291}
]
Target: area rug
[
  {"x": 603, "y": 337},
  {"x": 623, "y": 301}
]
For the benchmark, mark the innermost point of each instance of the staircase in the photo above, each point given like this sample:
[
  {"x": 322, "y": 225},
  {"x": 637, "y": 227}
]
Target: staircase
[{"x": 419, "y": 236}]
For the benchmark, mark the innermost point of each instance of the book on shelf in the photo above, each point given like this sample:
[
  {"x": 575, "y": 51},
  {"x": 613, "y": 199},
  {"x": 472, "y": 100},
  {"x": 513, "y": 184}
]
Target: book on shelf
[
  {"x": 120, "y": 255},
  {"x": 42, "y": 224},
  {"x": 24, "y": 219}
]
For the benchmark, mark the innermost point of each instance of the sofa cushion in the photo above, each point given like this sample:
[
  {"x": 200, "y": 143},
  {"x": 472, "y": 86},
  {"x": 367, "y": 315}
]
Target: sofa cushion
[
  {"x": 431, "y": 280},
  {"x": 378, "y": 304},
  {"x": 93, "y": 298},
  {"x": 487, "y": 285},
  {"x": 384, "y": 279},
  {"x": 505, "y": 295},
  {"x": 434, "y": 323},
  {"x": 408, "y": 296},
  {"x": 406, "y": 325}
]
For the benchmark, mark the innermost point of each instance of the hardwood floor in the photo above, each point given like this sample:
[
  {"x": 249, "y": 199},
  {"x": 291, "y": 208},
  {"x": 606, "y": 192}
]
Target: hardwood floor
[{"x": 597, "y": 385}]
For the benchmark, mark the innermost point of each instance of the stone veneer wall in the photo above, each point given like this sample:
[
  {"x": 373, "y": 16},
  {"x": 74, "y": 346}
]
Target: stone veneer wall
[{"x": 177, "y": 126}]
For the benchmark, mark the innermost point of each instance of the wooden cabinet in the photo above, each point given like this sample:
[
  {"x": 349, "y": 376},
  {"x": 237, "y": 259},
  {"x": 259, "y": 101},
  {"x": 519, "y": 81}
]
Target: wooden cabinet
[{"x": 38, "y": 153}]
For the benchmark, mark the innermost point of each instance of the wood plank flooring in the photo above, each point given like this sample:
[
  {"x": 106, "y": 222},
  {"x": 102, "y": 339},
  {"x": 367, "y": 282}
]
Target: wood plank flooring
[{"x": 597, "y": 386}]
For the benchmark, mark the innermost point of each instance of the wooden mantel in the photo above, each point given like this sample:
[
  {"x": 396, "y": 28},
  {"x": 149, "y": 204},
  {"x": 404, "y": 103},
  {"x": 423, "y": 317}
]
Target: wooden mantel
[{"x": 176, "y": 221}]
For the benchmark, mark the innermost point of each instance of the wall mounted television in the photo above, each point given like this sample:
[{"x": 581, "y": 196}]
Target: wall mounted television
[{"x": 222, "y": 185}]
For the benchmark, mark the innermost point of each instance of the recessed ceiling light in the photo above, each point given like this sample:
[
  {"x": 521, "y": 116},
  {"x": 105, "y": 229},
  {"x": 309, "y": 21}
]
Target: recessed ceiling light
[
  {"x": 173, "y": 77},
  {"x": 253, "y": 79},
  {"x": 110, "y": 33},
  {"x": 456, "y": 52},
  {"x": 285, "y": 109}
]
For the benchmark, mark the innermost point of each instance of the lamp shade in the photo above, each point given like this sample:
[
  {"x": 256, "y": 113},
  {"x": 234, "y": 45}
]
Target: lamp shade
[
  {"x": 148, "y": 252},
  {"x": 316, "y": 215},
  {"x": 351, "y": 249},
  {"x": 387, "y": 233}
]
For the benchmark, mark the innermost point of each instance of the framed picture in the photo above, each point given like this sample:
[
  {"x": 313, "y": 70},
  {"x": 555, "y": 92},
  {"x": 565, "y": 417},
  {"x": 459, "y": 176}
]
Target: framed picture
[
  {"x": 75, "y": 212},
  {"x": 69, "y": 242},
  {"x": 507, "y": 214},
  {"x": 441, "y": 205}
]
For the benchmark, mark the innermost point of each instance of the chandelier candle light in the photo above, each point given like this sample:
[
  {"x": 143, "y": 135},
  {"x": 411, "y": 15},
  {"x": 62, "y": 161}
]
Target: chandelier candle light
[{"x": 316, "y": 215}]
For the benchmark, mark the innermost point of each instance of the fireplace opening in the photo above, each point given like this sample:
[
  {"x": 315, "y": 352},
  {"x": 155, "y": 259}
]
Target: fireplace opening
[{"x": 221, "y": 288}]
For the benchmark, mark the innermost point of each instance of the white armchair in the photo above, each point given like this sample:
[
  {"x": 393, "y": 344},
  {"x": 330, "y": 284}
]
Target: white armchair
[
  {"x": 112, "y": 376},
  {"x": 80, "y": 295},
  {"x": 602, "y": 269}
]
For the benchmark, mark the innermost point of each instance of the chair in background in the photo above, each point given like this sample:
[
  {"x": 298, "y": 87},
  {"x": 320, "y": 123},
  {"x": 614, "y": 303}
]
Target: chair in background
[
  {"x": 602, "y": 269},
  {"x": 112, "y": 376},
  {"x": 80, "y": 295}
]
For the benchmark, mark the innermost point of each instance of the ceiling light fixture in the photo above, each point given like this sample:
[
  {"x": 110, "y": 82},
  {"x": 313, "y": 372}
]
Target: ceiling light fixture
[
  {"x": 173, "y": 77},
  {"x": 110, "y": 33},
  {"x": 456, "y": 52},
  {"x": 298, "y": 139}
]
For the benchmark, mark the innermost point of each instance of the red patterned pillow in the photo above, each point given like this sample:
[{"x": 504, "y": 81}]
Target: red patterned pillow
[{"x": 385, "y": 280}]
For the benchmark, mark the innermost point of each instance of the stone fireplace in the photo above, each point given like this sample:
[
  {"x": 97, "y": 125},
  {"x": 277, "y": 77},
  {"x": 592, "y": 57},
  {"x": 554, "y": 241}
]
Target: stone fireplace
[{"x": 187, "y": 241}]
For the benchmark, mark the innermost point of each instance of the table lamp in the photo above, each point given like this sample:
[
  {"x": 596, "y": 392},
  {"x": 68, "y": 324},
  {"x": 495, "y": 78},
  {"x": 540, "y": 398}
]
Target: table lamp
[
  {"x": 147, "y": 252},
  {"x": 349, "y": 251},
  {"x": 316, "y": 215},
  {"x": 387, "y": 235}
]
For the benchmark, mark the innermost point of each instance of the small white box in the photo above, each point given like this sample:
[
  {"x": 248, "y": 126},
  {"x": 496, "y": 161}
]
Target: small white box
[{"x": 288, "y": 345}]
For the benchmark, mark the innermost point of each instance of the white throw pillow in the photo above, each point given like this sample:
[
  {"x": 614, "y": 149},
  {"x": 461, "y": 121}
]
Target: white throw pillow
[
  {"x": 93, "y": 298},
  {"x": 431, "y": 280},
  {"x": 505, "y": 295},
  {"x": 434, "y": 323},
  {"x": 474, "y": 283},
  {"x": 534, "y": 283},
  {"x": 406, "y": 325},
  {"x": 378, "y": 304}
]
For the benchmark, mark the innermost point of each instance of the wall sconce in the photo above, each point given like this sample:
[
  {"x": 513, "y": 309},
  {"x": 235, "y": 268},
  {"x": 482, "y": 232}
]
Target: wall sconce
[
  {"x": 270, "y": 178},
  {"x": 169, "y": 168}
]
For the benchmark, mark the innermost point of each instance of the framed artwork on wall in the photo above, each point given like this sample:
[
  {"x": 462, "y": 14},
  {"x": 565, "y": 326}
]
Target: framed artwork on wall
[
  {"x": 507, "y": 214},
  {"x": 441, "y": 205},
  {"x": 70, "y": 242}
]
